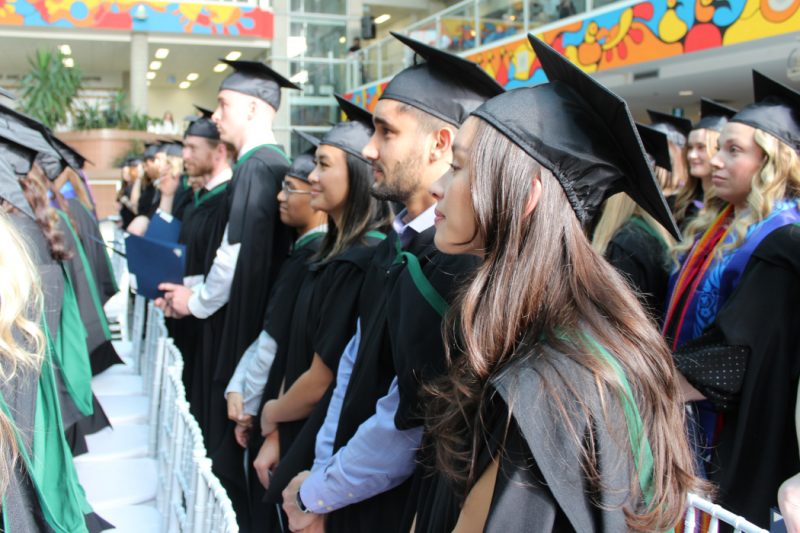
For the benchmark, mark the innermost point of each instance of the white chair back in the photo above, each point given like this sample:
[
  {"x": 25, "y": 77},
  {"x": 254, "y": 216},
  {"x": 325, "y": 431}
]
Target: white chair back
[
  {"x": 698, "y": 505},
  {"x": 137, "y": 331}
]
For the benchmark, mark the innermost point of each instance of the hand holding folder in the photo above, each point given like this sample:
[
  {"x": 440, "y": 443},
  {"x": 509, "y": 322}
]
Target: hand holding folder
[{"x": 151, "y": 262}]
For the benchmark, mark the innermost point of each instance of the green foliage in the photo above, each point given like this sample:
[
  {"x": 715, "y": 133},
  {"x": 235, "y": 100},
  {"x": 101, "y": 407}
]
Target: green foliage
[
  {"x": 49, "y": 89},
  {"x": 116, "y": 114}
]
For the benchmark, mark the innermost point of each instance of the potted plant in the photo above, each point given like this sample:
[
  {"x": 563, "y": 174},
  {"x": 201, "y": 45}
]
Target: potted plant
[{"x": 49, "y": 89}]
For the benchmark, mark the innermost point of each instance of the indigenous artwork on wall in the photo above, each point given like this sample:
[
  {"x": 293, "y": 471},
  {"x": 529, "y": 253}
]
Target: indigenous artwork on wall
[
  {"x": 645, "y": 31},
  {"x": 129, "y": 15}
]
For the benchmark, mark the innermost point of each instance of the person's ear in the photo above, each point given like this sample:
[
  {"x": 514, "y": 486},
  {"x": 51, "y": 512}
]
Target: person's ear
[
  {"x": 442, "y": 144},
  {"x": 535, "y": 196}
]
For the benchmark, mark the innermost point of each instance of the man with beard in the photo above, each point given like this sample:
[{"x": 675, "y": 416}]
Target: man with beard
[
  {"x": 365, "y": 450},
  {"x": 253, "y": 247},
  {"x": 207, "y": 161}
]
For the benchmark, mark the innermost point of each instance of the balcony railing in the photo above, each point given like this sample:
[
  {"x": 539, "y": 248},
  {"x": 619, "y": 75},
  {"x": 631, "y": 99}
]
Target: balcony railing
[{"x": 462, "y": 27}]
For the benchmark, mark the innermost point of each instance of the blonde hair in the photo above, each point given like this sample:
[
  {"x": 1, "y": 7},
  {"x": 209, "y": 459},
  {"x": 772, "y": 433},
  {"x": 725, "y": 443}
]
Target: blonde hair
[
  {"x": 693, "y": 186},
  {"x": 618, "y": 210},
  {"x": 175, "y": 165},
  {"x": 778, "y": 179},
  {"x": 21, "y": 339}
]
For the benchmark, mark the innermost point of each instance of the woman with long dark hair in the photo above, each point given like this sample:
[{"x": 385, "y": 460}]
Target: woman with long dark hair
[
  {"x": 561, "y": 410},
  {"x": 325, "y": 308}
]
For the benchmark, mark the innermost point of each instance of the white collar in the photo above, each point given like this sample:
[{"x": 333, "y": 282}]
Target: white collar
[{"x": 219, "y": 179}]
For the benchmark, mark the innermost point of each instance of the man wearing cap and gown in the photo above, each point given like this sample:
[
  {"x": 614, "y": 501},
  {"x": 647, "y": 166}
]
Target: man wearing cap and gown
[
  {"x": 205, "y": 157},
  {"x": 254, "y": 245},
  {"x": 366, "y": 446},
  {"x": 153, "y": 161},
  {"x": 746, "y": 361}
]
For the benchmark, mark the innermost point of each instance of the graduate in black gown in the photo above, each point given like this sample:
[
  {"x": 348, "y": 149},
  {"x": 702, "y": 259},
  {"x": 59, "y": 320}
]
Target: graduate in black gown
[
  {"x": 246, "y": 387},
  {"x": 732, "y": 316},
  {"x": 207, "y": 159},
  {"x": 254, "y": 245},
  {"x": 632, "y": 241},
  {"x": 326, "y": 306},
  {"x": 373, "y": 425},
  {"x": 561, "y": 412}
]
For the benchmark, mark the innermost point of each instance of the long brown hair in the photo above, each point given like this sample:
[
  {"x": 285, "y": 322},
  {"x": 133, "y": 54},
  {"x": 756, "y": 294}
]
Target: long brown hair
[
  {"x": 540, "y": 269},
  {"x": 35, "y": 190}
]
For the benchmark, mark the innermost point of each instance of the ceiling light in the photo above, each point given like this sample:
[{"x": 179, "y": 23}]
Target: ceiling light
[
  {"x": 220, "y": 67},
  {"x": 162, "y": 53},
  {"x": 687, "y": 92},
  {"x": 65, "y": 49},
  {"x": 192, "y": 76},
  {"x": 233, "y": 56},
  {"x": 342, "y": 39},
  {"x": 151, "y": 75},
  {"x": 383, "y": 18},
  {"x": 155, "y": 65},
  {"x": 68, "y": 62},
  {"x": 184, "y": 85}
]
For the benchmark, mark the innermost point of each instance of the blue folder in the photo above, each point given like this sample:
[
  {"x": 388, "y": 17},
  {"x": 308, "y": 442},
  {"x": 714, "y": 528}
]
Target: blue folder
[
  {"x": 153, "y": 262},
  {"x": 163, "y": 227}
]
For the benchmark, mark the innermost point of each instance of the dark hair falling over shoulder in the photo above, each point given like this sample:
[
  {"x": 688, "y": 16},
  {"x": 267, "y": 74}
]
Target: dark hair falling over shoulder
[
  {"x": 540, "y": 269},
  {"x": 35, "y": 190},
  {"x": 362, "y": 213}
]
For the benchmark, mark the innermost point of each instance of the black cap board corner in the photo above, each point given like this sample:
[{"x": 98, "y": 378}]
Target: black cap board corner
[
  {"x": 353, "y": 111},
  {"x": 656, "y": 145},
  {"x": 202, "y": 126},
  {"x": 17, "y": 155},
  {"x": 150, "y": 150},
  {"x": 205, "y": 112},
  {"x": 10, "y": 189},
  {"x": 445, "y": 85},
  {"x": 312, "y": 140},
  {"x": 303, "y": 165},
  {"x": 679, "y": 125},
  {"x": 776, "y": 110},
  {"x": 171, "y": 147},
  {"x": 581, "y": 132},
  {"x": 256, "y": 79},
  {"x": 8, "y": 94},
  {"x": 352, "y": 135},
  {"x": 713, "y": 115},
  {"x": 73, "y": 157}
]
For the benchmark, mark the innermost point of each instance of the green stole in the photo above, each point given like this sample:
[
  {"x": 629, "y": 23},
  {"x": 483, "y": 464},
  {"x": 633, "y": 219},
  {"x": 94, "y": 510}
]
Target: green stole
[
  {"x": 247, "y": 155},
  {"x": 50, "y": 466}
]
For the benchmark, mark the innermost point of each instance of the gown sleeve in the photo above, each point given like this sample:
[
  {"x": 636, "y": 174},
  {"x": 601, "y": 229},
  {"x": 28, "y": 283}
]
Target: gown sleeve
[{"x": 336, "y": 300}]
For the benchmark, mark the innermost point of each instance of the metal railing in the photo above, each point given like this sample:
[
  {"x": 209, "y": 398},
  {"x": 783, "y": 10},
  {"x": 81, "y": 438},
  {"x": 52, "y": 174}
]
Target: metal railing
[{"x": 462, "y": 27}]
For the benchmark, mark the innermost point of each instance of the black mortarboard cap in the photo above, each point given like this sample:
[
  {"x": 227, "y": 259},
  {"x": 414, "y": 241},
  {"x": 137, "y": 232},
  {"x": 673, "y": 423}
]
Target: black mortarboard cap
[
  {"x": 29, "y": 132},
  {"x": 581, "y": 132},
  {"x": 445, "y": 86},
  {"x": 171, "y": 148},
  {"x": 354, "y": 134},
  {"x": 20, "y": 157},
  {"x": 7, "y": 94},
  {"x": 676, "y": 128},
  {"x": 205, "y": 112},
  {"x": 656, "y": 145},
  {"x": 713, "y": 115},
  {"x": 256, "y": 79},
  {"x": 73, "y": 157},
  {"x": 150, "y": 150},
  {"x": 10, "y": 189},
  {"x": 776, "y": 110},
  {"x": 312, "y": 140},
  {"x": 302, "y": 166},
  {"x": 202, "y": 127}
]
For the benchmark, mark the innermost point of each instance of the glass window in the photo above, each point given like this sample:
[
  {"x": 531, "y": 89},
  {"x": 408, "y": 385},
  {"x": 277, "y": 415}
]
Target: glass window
[
  {"x": 313, "y": 115},
  {"x": 319, "y": 79},
  {"x": 332, "y": 7},
  {"x": 318, "y": 39}
]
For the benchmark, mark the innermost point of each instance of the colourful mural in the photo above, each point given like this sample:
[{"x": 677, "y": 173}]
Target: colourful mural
[
  {"x": 161, "y": 17},
  {"x": 649, "y": 30}
]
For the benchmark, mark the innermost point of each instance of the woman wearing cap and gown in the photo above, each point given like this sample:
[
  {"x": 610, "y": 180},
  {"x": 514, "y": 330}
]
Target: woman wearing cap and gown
[
  {"x": 245, "y": 391},
  {"x": 701, "y": 145},
  {"x": 326, "y": 307},
  {"x": 632, "y": 241},
  {"x": 562, "y": 412},
  {"x": 732, "y": 313}
]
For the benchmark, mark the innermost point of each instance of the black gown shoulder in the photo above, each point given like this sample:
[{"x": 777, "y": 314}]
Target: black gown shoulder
[{"x": 755, "y": 338}]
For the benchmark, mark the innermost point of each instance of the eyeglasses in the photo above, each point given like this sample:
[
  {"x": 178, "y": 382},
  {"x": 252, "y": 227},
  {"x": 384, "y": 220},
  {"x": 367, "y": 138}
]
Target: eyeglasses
[{"x": 287, "y": 188}]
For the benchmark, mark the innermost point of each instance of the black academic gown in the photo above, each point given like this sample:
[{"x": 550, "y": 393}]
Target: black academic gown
[
  {"x": 201, "y": 232},
  {"x": 747, "y": 364},
  {"x": 386, "y": 307},
  {"x": 148, "y": 200},
  {"x": 183, "y": 200},
  {"x": 92, "y": 240},
  {"x": 642, "y": 256},
  {"x": 278, "y": 323},
  {"x": 254, "y": 221},
  {"x": 329, "y": 300},
  {"x": 540, "y": 485}
]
